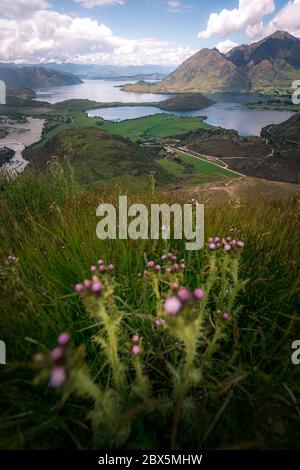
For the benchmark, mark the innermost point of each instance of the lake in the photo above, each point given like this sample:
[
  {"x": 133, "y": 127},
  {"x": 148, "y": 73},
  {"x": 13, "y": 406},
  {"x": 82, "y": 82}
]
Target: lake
[
  {"x": 229, "y": 111},
  {"x": 106, "y": 91}
]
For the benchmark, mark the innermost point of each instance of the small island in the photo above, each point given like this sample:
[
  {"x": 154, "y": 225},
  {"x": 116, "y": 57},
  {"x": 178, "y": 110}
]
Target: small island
[{"x": 186, "y": 102}]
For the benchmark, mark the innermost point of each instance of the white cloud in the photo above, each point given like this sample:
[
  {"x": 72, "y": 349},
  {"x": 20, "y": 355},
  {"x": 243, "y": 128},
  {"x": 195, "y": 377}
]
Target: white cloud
[
  {"x": 98, "y": 3},
  {"x": 225, "y": 46},
  {"x": 177, "y": 6},
  {"x": 287, "y": 19},
  {"x": 21, "y": 8},
  {"x": 48, "y": 36},
  {"x": 248, "y": 14}
]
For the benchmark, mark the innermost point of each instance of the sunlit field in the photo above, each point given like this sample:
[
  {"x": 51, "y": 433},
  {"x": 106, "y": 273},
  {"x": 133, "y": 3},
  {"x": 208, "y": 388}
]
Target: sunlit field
[{"x": 141, "y": 344}]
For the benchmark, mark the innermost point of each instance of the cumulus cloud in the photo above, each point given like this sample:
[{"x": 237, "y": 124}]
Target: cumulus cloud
[
  {"x": 225, "y": 46},
  {"x": 98, "y": 3},
  {"x": 21, "y": 8},
  {"x": 248, "y": 14},
  {"x": 48, "y": 36},
  {"x": 287, "y": 19}
]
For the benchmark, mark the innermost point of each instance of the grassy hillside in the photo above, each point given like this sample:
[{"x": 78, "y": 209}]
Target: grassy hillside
[
  {"x": 97, "y": 155},
  {"x": 235, "y": 388},
  {"x": 186, "y": 102},
  {"x": 158, "y": 125}
]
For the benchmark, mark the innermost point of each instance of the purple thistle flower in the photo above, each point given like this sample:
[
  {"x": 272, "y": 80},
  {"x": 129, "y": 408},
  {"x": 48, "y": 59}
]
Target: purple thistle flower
[
  {"x": 100, "y": 262},
  {"x": 240, "y": 244},
  {"x": 78, "y": 287},
  {"x": 110, "y": 267},
  {"x": 184, "y": 295},
  {"x": 151, "y": 264},
  {"x": 96, "y": 287},
  {"x": 136, "y": 338},
  {"x": 212, "y": 246},
  {"x": 57, "y": 353},
  {"x": 164, "y": 257},
  {"x": 136, "y": 349},
  {"x": 63, "y": 339},
  {"x": 93, "y": 269},
  {"x": 227, "y": 247},
  {"x": 172, "y": 305},
  {"x": 58, "y": 377},
  {"x": 175, "y": 286},
  {"x": 198, "y": 294},
  {"x": 160, "y": 322},
  {"x": 157, "y": 267},
  {"x": 225, "y": 316},
  {"x": 87, "y": 283}
]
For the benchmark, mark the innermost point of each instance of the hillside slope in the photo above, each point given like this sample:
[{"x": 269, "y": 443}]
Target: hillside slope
[
  {"x": 35, "y": 77},
  {"x": 98, "y": 155}
]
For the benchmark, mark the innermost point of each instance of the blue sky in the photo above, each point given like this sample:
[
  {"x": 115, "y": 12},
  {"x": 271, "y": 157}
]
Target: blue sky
[{"x": 135, "y": 31}]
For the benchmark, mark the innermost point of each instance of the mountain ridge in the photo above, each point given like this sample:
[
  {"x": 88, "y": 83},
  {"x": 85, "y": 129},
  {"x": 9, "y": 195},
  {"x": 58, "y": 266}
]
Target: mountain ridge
[{"x": 272, "y": 63}]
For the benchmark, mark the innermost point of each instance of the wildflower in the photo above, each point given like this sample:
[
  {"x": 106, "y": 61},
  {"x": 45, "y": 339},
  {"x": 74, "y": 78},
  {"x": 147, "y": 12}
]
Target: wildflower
[
  {"x": 158, "y": 267},
  {"x": 136, "y": 349},
  {"x": 160, "y": 322},
  {"x": 93, "y": 269},
  {"x": 225, "y": 316},
  {"x": 151, "y": 264},
  {"x": 63, "y": 339},
  {"x": 136, "y": 338},
  {"x": 11, "y": 259},
  {"x": 96, "y": 287},
  {"x": 172, "y": 305},
  {"x": 240, "y": 244},
  {"x": 198, "y": 294},
  {"x": 100, "y": 262},
  {"x": 226, "y": 247},
  {"x": 164, "y": 257},
  {"x": 212, "y": 246},
  {"x": 93, "y": 286},
  {"x": 175, "y": 286},
  {"x": 183, "y": 295},
  {"x": 57, "y": 353},
  {"x": 110, "y": 267},
  {"x": 58, "y": 376}
]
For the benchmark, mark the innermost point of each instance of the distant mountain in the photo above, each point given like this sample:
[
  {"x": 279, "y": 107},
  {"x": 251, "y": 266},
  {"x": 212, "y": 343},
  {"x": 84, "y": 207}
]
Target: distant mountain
[
  {"x": 268, "y": 65},
  {"x": 94, "y": 71},
  {"x": 35, "y": 77}
]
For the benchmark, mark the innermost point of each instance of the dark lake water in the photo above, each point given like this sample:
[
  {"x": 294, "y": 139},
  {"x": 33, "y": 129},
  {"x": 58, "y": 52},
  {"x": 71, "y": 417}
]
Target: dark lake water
[{"x": 228, "y": 112}]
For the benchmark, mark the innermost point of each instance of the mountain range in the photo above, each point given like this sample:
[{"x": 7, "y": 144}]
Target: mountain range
[
  {"x": 35, "y": 77},
  {"x": 271, "y": 64}
]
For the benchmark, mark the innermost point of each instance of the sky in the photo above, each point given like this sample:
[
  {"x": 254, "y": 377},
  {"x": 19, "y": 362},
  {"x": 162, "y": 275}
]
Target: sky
[{"x": 135, "y": 32}]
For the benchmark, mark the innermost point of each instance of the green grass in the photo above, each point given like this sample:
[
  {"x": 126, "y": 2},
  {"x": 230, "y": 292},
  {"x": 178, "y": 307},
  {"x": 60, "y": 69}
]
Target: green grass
[
  {"x": 206, "y": 168},
  {"x": 97, "y": 155},
  {"x": 158, "y": 125},
  {"x": 238, "y": 389},
  {"x": 172, "y": 167}
]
